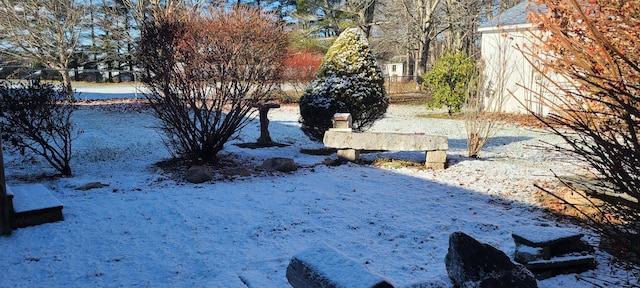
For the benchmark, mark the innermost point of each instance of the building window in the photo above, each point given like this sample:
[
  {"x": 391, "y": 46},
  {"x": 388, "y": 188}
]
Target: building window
[{"x": 393, "y": 68}]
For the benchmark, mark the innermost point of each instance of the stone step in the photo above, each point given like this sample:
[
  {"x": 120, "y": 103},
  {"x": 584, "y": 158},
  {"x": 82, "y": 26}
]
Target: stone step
[
  {"x": 563, "y": 261},
  {"x": 561, "y": 265},
  {"x": 32, "y": 204},
  {"x": 545, "y": 236}
]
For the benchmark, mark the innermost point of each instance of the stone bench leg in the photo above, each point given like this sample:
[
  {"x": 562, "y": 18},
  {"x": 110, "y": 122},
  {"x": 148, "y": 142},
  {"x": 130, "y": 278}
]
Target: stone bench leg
[
  {"x": 436, "y": 160},
  {"x": 349, "y": 154}
]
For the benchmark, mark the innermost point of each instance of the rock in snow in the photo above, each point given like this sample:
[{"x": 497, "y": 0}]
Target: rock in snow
[
  {"x": 279, "y": 164},
  {"x": 472, "y": 264},
  {"x": 324, "y": 266},
  {"x": 198, "y": 174}
]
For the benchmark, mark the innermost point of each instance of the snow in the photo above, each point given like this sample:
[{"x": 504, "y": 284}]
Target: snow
[{"x": 149, "y": 228}]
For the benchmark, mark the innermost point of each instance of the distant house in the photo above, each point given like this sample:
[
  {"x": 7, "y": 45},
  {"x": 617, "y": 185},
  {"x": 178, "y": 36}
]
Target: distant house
[
  {"x": 394, "y": 70},
  {"x": 512, "y": 82}
]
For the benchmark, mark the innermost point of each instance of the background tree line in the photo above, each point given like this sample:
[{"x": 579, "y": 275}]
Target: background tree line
[{"x": 101, "y": 34}]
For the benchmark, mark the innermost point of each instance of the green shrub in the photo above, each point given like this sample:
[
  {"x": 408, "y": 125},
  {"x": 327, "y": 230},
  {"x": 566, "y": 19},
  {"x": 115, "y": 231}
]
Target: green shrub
[
  {"x": 348, "y": 81},
  {"x": 448, "y": 80}
]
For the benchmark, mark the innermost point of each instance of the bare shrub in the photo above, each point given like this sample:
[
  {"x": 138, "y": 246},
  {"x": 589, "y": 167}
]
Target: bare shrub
[
  {"x": 479, "y": 122},
  {"x": 36, "y": 117},
  {"x": 206, "y": 70},
  {"x": 589, "y": 54}
]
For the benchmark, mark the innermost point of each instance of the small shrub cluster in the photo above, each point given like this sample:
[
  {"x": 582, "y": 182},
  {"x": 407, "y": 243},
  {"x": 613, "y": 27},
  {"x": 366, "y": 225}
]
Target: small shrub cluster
[
  {"x": 36, "y": 117},
  {"x": 348, "y": 81}
]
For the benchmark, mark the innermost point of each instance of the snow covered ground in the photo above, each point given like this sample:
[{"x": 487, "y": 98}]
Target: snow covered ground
[{"x": 148, "y": 228}]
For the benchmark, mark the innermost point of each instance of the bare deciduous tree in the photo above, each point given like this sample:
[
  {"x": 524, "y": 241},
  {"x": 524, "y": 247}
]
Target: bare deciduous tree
[
  {"x": 421, "y": 30},
  {"x": 461, "y": 24},
  {"x": 42, "y": 32},
  {"x": 363, "y": 13}
]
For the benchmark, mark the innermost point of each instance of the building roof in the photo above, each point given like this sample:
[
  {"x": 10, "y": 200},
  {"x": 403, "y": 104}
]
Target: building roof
[{"x": 515, "y": 15}]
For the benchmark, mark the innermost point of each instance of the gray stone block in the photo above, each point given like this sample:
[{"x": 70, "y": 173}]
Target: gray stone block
[
  {"x": 435, "y": 166},
  {"x": 436, "y": 156},
  {"x": 325, "y": 267},
  {"x": 384, "y": 141},
  {"x": 349, "y": 154}
]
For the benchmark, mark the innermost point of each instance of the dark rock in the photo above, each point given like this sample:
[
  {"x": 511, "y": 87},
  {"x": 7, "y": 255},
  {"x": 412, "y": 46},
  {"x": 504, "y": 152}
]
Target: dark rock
[
  {"x": 324, "y": 266},
  {"x": 239, "y": 171},
  {"x": 472, "y": 264},
  {"x": 91, "y": 185},
  {"x": 279, "y": 164},
  {"x": 334, "y": 161},
  {"x": 198, "y": 174}
]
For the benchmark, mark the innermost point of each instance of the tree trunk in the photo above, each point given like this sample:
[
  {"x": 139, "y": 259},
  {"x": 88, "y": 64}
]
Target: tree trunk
[
  {"x": 5, "y": 220},
  {"x": 366, "y": 16},
  {"x": 66, "y": 80},
  {"x": 422, "y": 55},
  {"x": 424, "y": 22}
]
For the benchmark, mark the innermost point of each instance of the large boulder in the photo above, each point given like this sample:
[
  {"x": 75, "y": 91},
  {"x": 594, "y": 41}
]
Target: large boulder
[{"x": 472, "y": 264}]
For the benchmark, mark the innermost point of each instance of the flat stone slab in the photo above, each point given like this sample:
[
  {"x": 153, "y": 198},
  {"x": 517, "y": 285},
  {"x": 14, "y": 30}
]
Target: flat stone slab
[
  {"x": 567, "y": 264},
  {"x": 33, "y": 204},
  {"x": 564, "y": 261},
  {"x": 324, "y": 266},
  {"x": 346, "y": 139},
  {"x": 545, "y": 236}
]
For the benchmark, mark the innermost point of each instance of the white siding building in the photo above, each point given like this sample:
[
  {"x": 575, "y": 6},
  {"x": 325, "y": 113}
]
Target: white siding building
[{"x": 513, "y": 85}]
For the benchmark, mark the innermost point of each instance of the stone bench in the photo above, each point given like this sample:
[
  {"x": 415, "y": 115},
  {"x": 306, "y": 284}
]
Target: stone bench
[
  {"x": 350, "y": 143},
  {"x": 324, "y": 266}
]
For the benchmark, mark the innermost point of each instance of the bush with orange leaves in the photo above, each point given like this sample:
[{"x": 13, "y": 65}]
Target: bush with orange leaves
[
  {"x": 594, "y": 45},
  {"x": 206, "y": 69},
  {"x": 300, "y": 67}
]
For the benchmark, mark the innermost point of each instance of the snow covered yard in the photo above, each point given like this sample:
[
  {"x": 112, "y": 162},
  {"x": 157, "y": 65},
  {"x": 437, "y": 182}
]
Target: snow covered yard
[{"x": 150, "y": 229}]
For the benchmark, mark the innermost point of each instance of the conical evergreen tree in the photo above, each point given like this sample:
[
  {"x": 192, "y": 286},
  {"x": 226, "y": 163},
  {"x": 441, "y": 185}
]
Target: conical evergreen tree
[{"x": 348, "y": 81}]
